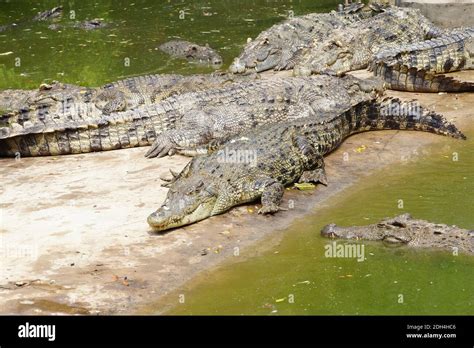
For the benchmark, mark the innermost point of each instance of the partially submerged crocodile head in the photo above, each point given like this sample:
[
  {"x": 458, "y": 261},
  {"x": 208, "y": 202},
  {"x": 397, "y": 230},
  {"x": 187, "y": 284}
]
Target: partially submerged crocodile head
[
  {"x": 404, "y": 229},
  {"x": 53, "y": 13},
  {"x": 388, "y": 230},
  {"x": 191, "y": 51},
  {"x": 188, "y": 200}
]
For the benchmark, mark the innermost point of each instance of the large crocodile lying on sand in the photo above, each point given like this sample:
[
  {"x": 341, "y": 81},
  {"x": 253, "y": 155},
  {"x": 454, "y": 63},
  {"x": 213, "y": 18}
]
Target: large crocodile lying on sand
[
  {"x": 116, "y": 96},
  {"x": 183, "y": 122},
  {"x": 58, "y": 109},
  {"x": 403, "y": 229},
  {"x": 253, "y": 104},
  {"x": 278, "y": 47},
  {"x": 260, "y": 163}
]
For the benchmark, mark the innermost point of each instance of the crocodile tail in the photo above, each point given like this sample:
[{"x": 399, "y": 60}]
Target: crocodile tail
[
  {"x": 108, "y": 132},
  {"x": 393, "y": 113},
  {"x": 402, "y": 78}
]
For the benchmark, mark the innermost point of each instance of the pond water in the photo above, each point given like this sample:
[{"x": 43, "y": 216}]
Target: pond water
[
  {"x": 294, "y": 277},
  {"x": 128, "y": 46}
]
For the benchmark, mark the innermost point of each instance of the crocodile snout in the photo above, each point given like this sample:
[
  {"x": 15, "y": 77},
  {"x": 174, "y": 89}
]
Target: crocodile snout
[
  {"x": 329, "y": 231},
  {"x": 158, "y": 220}
]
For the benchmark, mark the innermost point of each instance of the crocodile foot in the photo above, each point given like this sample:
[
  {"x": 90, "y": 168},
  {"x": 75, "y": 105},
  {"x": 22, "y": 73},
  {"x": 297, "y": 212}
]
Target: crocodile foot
[
  {"x": 271, "y": 197},
  {"x": 269, "y": 209},
  {"x": 314, "y": 176},
  {"x": 161, "y": 147}
]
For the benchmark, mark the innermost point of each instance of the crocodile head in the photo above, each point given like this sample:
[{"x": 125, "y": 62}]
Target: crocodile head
[
  {"x": 335, "y": 57},
  {"x": 260, "y": 55},
  {"x": 204, "y": 54},
  {"x": 393, "y": 231},
  {"x": 189, "y": 200}
]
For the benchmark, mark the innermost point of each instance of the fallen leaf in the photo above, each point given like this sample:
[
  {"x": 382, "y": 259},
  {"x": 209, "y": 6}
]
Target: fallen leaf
[
  {"x": 346, "y": 276},
  {"x": 304, "y": 186},
  {"x": 304, "y": 282},
  {"x": 361, "y": 149}
]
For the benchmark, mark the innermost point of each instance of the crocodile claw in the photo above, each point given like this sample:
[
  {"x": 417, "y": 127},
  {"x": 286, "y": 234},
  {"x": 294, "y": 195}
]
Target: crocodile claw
[
  {"x": 161, "y": 147},
  {"x": 269, "y": 209}
]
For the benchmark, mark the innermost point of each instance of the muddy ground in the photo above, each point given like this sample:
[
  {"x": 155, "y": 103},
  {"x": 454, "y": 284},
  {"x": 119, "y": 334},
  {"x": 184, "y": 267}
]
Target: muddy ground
[{"x": 74, "y": 237}]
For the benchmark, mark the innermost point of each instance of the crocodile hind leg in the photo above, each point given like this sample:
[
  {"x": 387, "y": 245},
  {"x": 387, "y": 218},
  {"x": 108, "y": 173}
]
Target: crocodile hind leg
[
  {"x": 314, "y": 176},
  {"x": 313, "y": 162},
  {"x": 271, "y": 197}
]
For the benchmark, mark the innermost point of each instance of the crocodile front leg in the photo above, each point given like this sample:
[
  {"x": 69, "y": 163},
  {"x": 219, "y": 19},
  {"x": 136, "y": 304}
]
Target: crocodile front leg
[{"x": 169, "y": 142}]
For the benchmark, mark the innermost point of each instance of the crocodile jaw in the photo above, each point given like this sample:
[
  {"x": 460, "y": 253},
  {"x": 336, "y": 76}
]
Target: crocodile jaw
[{"x": 166, "y": 218}]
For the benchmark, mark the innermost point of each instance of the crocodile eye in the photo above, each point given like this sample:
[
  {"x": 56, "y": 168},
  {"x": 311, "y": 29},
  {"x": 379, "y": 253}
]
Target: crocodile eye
[{"x": 195, "y": 188}]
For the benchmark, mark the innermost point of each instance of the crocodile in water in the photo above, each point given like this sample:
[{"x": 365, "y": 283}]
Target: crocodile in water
[
  {"x": 404, "y": 230},
  {"x": 52, "y": 14},
  {"x": 191, "y": 51}
]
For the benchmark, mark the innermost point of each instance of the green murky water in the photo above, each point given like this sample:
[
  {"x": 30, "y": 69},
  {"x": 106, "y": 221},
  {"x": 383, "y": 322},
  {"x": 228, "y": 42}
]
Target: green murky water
[
  {"x": 295, "y": 277},
  {"x": 127, "y": 46}
]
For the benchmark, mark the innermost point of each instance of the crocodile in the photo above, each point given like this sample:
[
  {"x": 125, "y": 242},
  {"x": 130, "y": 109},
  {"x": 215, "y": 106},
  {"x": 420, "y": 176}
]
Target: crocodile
[
  {"x": 260, "y": 163},
  {"x": 405, "y": 230},
  {"x": 352, "y": 47},
  {"x": 191, "y": 51},
  {"x": 57, "y": 103},
  {"x": 52, "y": 14},
  {"x": 279, "y": 46},
  {"x": 182, "y": 122},
  {"x": 252, "y": 104},
  {"x": 90, "y": 24},
  {"x": 414, "y": 67},
  {"x": 149, "y": 89}
]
